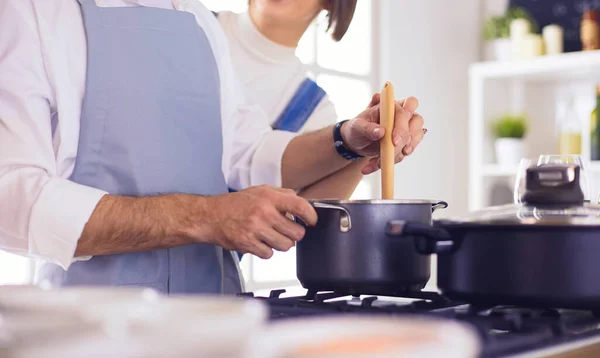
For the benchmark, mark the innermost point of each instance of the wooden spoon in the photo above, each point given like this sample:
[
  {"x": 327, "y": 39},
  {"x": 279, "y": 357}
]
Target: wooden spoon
[{"x": 386, "y": 112}]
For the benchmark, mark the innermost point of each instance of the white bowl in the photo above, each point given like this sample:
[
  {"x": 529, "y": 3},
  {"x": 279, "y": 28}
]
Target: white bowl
[
  {"x": 186, "y": 326},
  {"x": 360, "y": 336},
  {"x": 34, "y": 298},
  {"x": 207, "y": 326}
]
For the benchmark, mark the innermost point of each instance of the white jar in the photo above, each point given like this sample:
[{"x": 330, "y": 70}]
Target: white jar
[
  {"x": 509, "y": 151},
  {"x": 553, "y": 39}
]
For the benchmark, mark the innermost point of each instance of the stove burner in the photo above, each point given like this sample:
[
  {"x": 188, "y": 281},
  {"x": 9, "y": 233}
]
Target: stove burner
[{"x": 504, "y": 330}]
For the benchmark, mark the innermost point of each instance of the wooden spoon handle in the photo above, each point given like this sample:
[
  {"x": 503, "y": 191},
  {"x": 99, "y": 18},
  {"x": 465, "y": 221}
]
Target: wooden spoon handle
[{"x": 387, "y": 111}]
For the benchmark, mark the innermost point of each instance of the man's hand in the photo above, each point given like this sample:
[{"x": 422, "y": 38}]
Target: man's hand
[
  {"x": 253, "y": 220},
  {"x": 363, "y": 133},
  {"x": 250, "y": 221}
]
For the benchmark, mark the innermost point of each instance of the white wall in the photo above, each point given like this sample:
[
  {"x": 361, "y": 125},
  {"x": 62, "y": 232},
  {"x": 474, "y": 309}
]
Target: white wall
[
  {"x": 426, "y": 49},
  {"x": 494, "y": 7}
]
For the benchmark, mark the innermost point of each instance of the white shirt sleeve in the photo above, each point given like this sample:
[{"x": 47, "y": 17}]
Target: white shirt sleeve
[
  {"x": 41, "y": 214},
  {"x": 323, "y": 116},
  {"x": 256, "y": 158}
]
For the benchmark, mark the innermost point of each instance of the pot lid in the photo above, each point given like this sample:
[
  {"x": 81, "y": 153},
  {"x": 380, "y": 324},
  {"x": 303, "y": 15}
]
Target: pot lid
[
  {"x": 585, "y": 215},
  {"x": 552, "y": 197}
]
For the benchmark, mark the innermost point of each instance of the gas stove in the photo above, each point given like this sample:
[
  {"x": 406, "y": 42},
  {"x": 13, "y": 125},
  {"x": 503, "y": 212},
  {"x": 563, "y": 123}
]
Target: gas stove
[{"x": 505, "y": 331}]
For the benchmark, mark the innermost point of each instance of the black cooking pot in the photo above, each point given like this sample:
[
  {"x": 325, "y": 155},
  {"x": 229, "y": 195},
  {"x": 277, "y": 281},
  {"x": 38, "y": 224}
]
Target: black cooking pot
[
  {"x": 545, "y": 253},
  {"x": 348, "y": 251}
]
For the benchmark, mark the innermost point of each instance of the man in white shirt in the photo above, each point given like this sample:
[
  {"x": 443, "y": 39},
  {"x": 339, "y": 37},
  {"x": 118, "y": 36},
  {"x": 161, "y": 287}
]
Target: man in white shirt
[{"x": 122, "y": 124}]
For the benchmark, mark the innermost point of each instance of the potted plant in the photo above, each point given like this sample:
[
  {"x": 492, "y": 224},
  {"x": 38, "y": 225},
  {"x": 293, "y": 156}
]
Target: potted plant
[
  {"x": 496, "y": 32},
  {"x": 509, "y": 131}
]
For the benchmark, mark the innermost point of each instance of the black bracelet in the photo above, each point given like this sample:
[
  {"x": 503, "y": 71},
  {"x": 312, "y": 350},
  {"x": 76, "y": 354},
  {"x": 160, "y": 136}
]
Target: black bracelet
[{"x": 338, "y": 142}]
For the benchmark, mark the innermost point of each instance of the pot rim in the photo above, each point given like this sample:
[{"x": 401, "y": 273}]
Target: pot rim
[
  {"x": 572, "y": 224},
  {"x": 376, "y": 201}
]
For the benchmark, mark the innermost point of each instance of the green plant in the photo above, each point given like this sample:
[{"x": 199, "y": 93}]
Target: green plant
[
  {"x": 498, "y": 27},
  {"x": 510, "y": 126}
]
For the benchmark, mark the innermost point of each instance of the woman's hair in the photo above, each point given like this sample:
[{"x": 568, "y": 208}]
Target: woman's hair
[{"x": 340, "y": 16}]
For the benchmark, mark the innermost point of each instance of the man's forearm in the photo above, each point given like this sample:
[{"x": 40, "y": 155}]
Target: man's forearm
[
  {"x": 309, "y": 158},
  {"x": 124, "y": 224},
  {"x": 340, "y": 184}
]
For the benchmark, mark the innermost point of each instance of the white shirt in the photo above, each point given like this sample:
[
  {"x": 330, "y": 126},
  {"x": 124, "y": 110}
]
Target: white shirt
[
  {"x": 271, "y": 72},
  {"x": 42, "y": 83}
]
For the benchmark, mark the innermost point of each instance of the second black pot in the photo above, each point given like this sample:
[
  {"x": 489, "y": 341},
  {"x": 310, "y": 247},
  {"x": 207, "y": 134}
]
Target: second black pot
[
  {"x": 349, "y": 252},
  {"x": 544, "y": 253}
]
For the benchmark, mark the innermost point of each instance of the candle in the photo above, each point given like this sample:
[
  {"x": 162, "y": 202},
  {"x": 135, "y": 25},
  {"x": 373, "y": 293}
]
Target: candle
[
  {"x": 532, "y": 46},
  {"x": 553, "y": 39},
  {"x": 519, "y": 29}
]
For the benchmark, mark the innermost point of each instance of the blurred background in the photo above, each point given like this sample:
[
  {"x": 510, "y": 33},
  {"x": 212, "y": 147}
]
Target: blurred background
[{"x": 497, "y": 81}]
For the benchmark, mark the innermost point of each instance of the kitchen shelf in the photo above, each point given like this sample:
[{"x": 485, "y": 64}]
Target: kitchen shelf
[
  {"x": 567, "y": 66},
  {"x": 539, "y": 87}
]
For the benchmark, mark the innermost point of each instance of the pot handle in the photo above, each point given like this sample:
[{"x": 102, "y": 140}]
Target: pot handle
[
  {"x": 428, "y": 239},
  {"x": 439, "y": 205},
  {"x": 345, "y": 220}
]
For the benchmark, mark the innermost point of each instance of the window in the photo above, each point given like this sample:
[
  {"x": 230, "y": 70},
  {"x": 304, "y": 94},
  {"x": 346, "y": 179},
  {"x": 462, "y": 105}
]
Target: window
[{"x": 344, "y": 70}]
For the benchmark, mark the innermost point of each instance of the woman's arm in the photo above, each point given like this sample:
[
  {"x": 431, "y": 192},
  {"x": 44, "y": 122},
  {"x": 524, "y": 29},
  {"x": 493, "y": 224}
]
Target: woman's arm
[{"x": 339, "y": 185}]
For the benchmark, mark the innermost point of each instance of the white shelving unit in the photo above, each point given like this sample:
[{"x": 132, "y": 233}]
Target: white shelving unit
[{"x": 538, "y": 87}]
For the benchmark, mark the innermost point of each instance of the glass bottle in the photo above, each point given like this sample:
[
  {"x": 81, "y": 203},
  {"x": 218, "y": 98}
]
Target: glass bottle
[
  {"x": 595, "y": 129},
  {"x": 570, "y": 128},
  {"x": 590, "y": 39}
]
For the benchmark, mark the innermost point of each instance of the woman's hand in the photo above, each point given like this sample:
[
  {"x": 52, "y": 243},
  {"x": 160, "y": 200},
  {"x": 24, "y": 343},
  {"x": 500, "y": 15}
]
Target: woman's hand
[{"x": 363, "y": 133}]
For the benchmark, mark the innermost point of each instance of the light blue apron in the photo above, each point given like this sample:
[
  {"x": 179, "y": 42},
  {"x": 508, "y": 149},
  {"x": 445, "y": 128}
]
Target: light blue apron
[{"x": 151, "y": 125}]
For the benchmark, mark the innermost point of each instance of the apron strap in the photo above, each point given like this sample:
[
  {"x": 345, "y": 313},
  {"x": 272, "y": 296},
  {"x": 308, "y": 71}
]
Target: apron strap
[{"x": 301, "y": 107}]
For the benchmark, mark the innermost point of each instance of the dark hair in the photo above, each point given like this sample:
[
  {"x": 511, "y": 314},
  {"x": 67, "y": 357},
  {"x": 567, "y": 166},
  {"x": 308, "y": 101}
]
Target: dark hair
[{"x": 340, "y": 16}]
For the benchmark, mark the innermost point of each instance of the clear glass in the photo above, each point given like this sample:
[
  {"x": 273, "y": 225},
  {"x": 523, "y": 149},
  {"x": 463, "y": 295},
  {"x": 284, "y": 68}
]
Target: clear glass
[
  {"x": 519, "y": 188},
  {"x": 584, "y": 179},
  {"x": 353, "y": 53},
  {"x": 569, "y": 130}
]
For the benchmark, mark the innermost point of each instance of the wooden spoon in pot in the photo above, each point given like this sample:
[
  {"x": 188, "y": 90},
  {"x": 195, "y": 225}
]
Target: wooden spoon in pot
[{"x": 386, "y": 112}]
